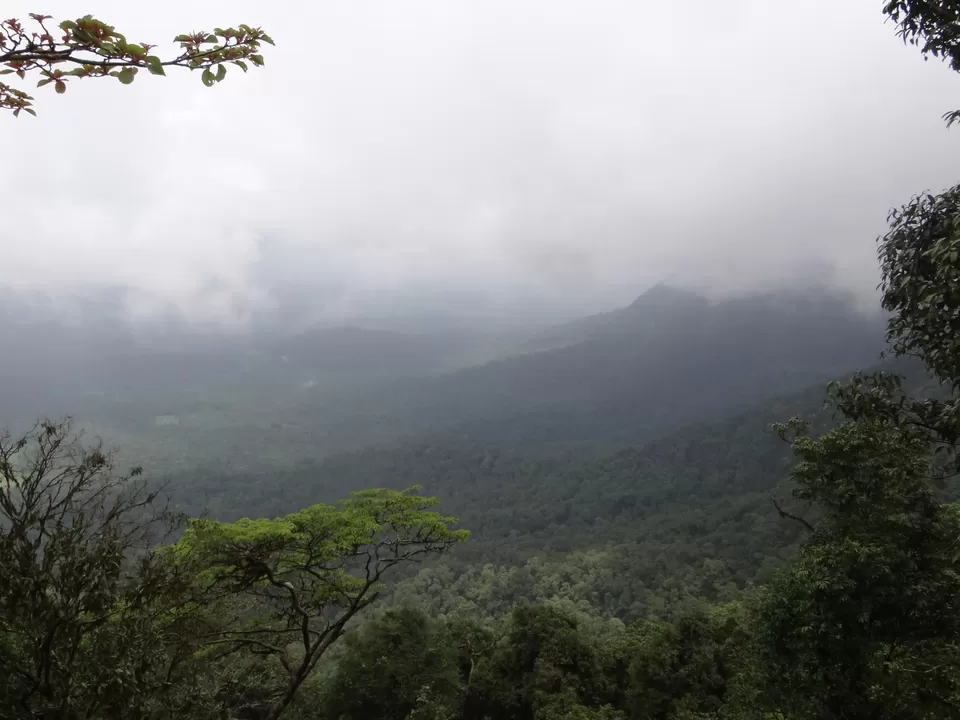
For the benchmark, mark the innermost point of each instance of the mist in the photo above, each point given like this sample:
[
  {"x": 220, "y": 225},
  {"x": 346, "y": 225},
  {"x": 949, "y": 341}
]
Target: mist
[{"x": 531, "y": 162}]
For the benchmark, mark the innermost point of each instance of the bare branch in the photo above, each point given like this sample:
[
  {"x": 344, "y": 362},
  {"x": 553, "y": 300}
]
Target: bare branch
[{"x": 789, "y": 516}]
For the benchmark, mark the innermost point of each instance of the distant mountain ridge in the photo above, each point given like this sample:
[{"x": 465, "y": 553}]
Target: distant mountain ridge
[{"x": 668, "y": 359}]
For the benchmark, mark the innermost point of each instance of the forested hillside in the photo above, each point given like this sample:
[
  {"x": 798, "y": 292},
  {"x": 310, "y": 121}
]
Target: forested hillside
[
  {"x": 648, "y": 529},
  {"x": 668, "y": 360}
]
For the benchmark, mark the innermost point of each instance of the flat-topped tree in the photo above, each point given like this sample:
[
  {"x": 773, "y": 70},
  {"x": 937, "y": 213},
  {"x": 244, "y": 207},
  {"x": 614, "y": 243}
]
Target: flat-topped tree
[
  {"x": 287, "y": 588},
  {"x": 99, "y": 619},
  {"x": 56, "y": 53}
]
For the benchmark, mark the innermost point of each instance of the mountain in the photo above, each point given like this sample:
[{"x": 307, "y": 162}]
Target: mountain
[
  {"x": 660, "y": 304},
  {"x": 106, "y": 372},
  {"x": 351, "y": 355},
  {"x": 668, "y": 359}
]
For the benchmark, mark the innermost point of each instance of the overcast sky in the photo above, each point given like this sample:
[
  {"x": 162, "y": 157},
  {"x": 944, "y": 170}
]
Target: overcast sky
[{"x": 481, "y": 156}]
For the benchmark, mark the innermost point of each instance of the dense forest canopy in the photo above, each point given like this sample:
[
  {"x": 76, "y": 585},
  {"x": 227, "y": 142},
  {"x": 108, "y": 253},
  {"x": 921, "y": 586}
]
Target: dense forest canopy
[{"x": 667, "y": 512}]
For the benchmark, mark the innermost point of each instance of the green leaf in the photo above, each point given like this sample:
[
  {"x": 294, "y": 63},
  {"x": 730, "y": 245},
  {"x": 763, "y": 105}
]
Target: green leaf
[
  {"x": 8, "y": 71},
  {"x": 182, "y": 38},
  {"x": 267, "y": 39},
  {"x": 241, "y": 64},
  {"x": 257, "y": 60},
  {"x": 211, "y": 39},
  {"x": 31, "y": 111},
  {"x": 126, "y": 75},
  {"x": 60, "y": 87},
  {"x": 45, "y": 81},
  {"x": 208, "y": 77},
  {"x": 155, "y": 65},
  {"x": 221, "y": 72}
]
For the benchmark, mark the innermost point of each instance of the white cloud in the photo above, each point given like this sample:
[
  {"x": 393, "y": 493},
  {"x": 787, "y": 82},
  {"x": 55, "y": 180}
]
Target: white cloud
[{"x": 567, "y": 151}]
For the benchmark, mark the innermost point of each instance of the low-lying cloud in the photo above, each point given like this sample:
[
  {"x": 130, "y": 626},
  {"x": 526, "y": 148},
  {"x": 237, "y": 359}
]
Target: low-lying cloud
[{"x": 503, "y": 158}]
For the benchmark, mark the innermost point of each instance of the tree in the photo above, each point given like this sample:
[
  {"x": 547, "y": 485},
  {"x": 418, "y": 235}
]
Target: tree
[
  {"x": 80, "y": 591},
  {"x": 391, "y": 666},
  {"x": 89, "y": 47},
  {"x": 678, "y": 670},
  {"x": 934, "y": 27},
  {"x": 544, "y": 667},
  {"x": 287, "y": 588},
  {"x": 99, "y": 619},
  {"x": 867, "y": 622},
  {"x": 920, "y": 263}
]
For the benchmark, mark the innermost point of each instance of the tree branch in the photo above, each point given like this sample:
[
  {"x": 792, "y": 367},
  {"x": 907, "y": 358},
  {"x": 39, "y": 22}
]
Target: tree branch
[{"x": 789, "y": 516}]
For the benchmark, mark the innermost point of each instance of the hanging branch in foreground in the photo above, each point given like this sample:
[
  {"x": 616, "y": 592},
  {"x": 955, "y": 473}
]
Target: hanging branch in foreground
[
  {"x": 789, "y": 516},
  {"x": 87, "y": 47}
]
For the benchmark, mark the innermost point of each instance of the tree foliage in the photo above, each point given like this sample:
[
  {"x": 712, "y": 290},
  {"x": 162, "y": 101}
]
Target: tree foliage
[
  {"x": 394, "y": 665},
  {"x": 287, "y": 588},
  {"x": 920, "y": 265},
  {"x": 86, "y": 609},
  {"x": 866, "y": 623},
  {"x": 934, "y": 27},
  {"x": 87, "y": 47},
  {"x": 99, "y": 619}
]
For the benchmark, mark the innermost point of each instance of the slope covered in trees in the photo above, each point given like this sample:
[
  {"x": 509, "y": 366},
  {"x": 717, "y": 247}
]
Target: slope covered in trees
[
  {"x": 269, "y": 401},
  {"x": 656, "y": 527},
  {"x": 668, "y": 360}
]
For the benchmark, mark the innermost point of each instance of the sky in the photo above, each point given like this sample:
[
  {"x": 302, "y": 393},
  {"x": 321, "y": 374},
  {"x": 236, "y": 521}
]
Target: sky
[{"x": 519, "y": 159}]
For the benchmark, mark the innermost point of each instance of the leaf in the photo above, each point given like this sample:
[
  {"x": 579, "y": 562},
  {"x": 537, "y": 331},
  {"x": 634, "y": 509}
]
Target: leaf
[
  {"x": 45, "y": 81},
  {"x": 208, "y": 77},
  {"x": 241, "y": 64},
  {"x": 31, "y": 111},
  {"x": 155, "y": 65},
  {"x": 60, "y": 87},
  {"x": 126, "y": 75},
  {"x": 221, "y": 72}
]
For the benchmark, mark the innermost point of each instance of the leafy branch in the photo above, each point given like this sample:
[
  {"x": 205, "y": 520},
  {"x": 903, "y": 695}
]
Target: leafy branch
[{"x": 87, "y": 47}]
